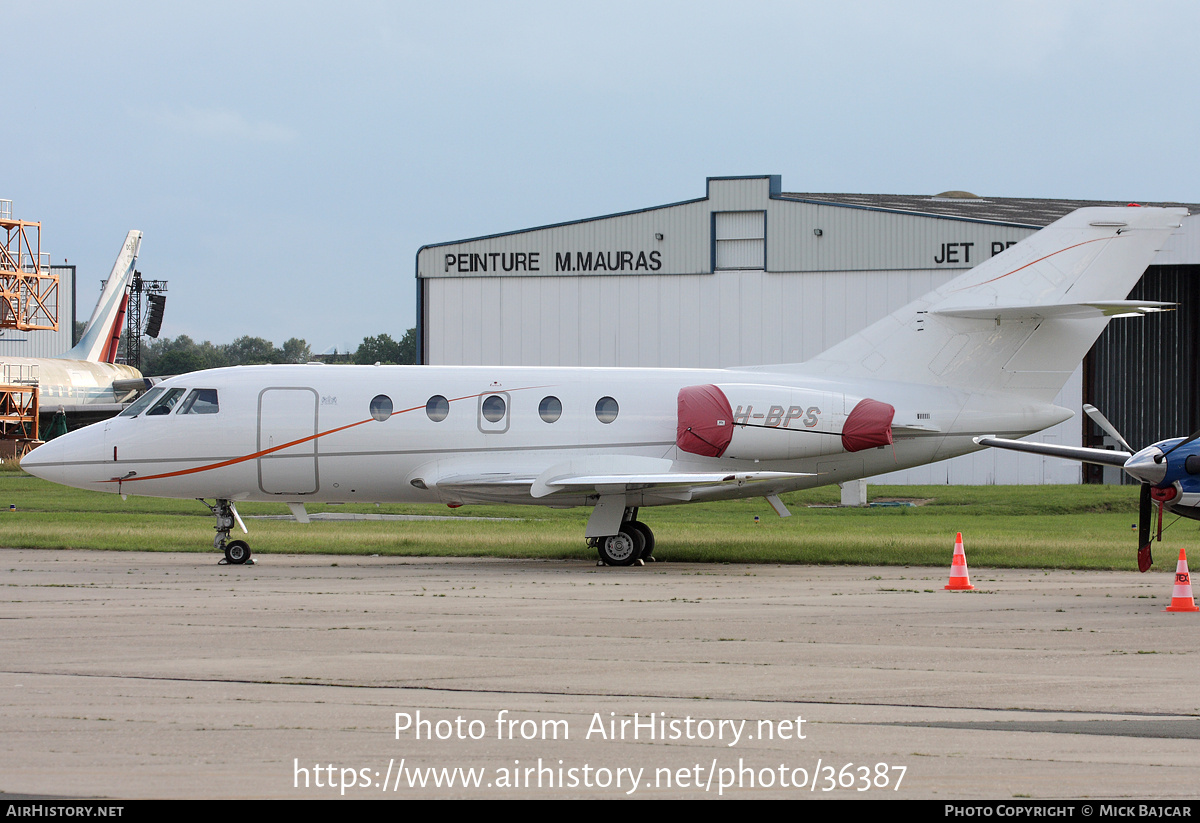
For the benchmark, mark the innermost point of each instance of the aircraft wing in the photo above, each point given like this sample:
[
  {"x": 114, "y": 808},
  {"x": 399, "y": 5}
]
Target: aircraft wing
[
  {"x": 617, "y": 483},
  {"x": 1103, "y": 457},
  {"x": 598, "y": 474}
]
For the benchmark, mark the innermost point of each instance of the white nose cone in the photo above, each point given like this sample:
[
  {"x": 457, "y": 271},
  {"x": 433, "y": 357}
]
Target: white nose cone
[
  {"x": 45, "y": 457},
  {"x": 1142, "y": 466},
  {"x": 75, "y": 459}
]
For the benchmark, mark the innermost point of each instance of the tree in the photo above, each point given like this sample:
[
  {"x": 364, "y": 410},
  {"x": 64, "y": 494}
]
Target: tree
[
  {"x": 251, "y": 351},
  {"x": 179, "y": 361},
  {"x": 383, "y": 349},
  {"x": 408, "y": 347},
  {"x": 180, "y": 355},
  {"x": 295, "y": 350}
]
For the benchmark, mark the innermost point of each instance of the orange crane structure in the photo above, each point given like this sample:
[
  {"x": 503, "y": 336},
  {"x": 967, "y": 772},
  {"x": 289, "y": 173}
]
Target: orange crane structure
[{"x": 28, "y": 302}]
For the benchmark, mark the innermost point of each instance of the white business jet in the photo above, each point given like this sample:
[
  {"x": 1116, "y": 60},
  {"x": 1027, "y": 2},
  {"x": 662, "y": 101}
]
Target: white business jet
[{"x": 984, "y": 354}]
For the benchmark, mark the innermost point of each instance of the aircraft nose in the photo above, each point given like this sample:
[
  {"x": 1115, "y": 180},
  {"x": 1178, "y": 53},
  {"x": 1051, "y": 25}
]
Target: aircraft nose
[
  {"x": 44, "y": 457},
  {"x": 64, "y": 459},
  {"x": 1142, "y": 466}
]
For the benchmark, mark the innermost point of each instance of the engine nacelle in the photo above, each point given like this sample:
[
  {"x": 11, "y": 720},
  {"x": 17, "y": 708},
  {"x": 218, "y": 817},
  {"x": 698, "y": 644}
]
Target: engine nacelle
[{"x": 757, "y": 422}]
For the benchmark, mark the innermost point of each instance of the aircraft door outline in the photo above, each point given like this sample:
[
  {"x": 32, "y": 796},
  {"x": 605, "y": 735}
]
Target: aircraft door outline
[{"x": 286, "y": 414}]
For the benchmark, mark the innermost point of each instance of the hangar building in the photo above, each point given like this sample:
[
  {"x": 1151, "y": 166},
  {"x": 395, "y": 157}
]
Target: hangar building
[
  {"x": 44, "y": 343},
  {"x": 750, "y": 274}
]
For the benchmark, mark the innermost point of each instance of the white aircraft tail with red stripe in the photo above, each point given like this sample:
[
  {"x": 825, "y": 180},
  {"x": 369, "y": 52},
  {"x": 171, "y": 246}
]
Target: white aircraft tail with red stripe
[
  {"x": 103, "y": 331},
  {"x": 1022, "y": 321}
]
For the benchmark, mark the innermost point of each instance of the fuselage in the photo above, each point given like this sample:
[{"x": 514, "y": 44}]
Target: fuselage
[
  {"x": 69, "y": 382},
  {"x": 474, "y": 434}
]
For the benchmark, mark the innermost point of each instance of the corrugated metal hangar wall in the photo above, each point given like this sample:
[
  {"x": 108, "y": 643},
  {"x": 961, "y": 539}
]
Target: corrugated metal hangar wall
[
  {"x": 746, "y": 275},
  {"x": 44, "y": 343}
]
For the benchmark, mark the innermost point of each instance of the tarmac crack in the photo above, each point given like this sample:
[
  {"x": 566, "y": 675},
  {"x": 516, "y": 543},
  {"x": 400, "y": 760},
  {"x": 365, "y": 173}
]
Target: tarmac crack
[{"x": 326, "y": 684}]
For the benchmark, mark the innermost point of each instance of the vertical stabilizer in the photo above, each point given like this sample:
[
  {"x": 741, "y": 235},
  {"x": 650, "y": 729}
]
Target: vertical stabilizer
[
  {"x": 108, "y": 316},
  {"x": 1022, "y": 321}
]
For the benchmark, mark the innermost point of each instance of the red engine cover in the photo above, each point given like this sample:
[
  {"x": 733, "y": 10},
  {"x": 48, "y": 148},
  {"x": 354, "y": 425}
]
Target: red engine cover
[
  {"x": 868, "y": 425},
  {"x": 705, "y": 421}
]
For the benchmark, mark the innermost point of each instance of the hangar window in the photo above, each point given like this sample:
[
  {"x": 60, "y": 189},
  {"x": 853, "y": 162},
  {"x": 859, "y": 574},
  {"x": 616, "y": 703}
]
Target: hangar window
[
  {"x": 739, "y": 240},
  {"x": 141, "y": 403},
  {"x": 165, "y": 403},
  {"x": 606, "y": 410},
  {"x": 437, "y": 408},
  {"x": 493, "y": 408},
  {"x": 550, "y": 409},
  {"x": 200, "y": 401},
  {"x": 381, "y": 407}
]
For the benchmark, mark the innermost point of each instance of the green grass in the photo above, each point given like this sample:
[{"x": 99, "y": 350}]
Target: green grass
[{"x": 1073, "y": 527}]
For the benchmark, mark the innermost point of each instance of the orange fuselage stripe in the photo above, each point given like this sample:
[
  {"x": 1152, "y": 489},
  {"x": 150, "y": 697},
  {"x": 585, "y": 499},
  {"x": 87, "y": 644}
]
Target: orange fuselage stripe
[{"x": 317, "y": 436}]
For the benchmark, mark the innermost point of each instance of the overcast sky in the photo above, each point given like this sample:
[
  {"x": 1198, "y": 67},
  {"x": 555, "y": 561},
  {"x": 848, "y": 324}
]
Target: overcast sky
[{"x": 285, "y": 161}]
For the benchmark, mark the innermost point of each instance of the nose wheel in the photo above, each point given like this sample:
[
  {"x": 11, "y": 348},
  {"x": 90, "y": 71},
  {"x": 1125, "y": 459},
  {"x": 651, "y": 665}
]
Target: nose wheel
[{"x": 237, "y": 552}]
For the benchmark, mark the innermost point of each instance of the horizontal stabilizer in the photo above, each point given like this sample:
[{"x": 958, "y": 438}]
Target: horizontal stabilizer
[
  {"x": 1102, "y": 457},
  {"x": 1061, "y": 311}
]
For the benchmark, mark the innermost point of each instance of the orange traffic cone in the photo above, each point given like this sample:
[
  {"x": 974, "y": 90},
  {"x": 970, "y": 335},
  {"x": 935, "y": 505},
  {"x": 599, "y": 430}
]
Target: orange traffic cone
[
  {"x": 1181, "y": 596},
  {"x": 959, "y": 581}
]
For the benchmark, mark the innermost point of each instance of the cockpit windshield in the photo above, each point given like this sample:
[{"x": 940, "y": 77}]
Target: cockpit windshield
[
  {"x": 160, "y": 401},
  {"x": 165, "y": 403},
  {"x": 200, "y": 401},
  {"x": 141, "y": 403}
]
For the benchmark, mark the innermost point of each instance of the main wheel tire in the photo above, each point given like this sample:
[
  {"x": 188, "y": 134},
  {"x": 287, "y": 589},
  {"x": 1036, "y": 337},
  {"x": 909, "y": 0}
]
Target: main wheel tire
[
  {"x": 237, "y": 552},
  {"x": 622, "y": 548},
  {"x": 647, "y": 536}
]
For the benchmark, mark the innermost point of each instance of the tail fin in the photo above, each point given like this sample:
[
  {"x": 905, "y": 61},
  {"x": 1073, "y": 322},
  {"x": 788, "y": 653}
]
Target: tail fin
[
  {"x": 1022, "y": 321},
  {"x": 109, "y": 315}
]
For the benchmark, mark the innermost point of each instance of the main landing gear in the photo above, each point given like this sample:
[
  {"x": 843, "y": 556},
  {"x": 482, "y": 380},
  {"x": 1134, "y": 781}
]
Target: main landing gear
[
  {"x": 237, "y": 552},
  {"x": 632, "y": 545}
]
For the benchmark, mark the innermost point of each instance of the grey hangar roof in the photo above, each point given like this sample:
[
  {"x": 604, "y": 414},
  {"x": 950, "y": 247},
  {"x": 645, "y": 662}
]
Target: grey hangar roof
[{"x": 1027, "y": 212}]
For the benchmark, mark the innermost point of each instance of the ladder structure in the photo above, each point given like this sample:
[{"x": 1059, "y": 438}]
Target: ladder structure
[
  {"x": 28, "y": 287},
  {"x": 28, "y": 302}
]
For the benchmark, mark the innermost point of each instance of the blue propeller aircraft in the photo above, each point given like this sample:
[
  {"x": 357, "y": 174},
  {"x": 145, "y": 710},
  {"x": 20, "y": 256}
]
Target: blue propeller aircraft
[{"x": 1168, "y": 471}]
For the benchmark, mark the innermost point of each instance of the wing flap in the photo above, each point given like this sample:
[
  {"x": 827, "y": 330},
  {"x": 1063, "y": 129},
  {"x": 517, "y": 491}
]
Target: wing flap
[{"x": 616, "y": 483}]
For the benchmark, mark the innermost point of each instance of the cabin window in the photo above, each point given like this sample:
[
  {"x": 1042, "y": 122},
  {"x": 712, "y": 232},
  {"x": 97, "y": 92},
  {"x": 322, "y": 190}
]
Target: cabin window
[
  {"x": 437, "y": 408},
  {"x": 493, "y": 408},
  {"x": 200, "y": 401},
  {"x": 165, "y": 403},
  {"x": 381, "y": 407},
  {"x": 141, "y": 403},
  {"x": 606, "y": 409},
  {"x": 1192, "y": 464},
  {"x": 550, "y": 409}
]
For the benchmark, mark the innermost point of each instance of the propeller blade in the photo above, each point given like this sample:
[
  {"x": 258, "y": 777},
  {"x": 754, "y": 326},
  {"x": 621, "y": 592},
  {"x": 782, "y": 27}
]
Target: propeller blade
[
  {"x": 1106, "y": 427},
  {"x": 1145, "y": 561},
  {"x": 1183, "y": 442},
  {"x": 1144, "y": 513}
]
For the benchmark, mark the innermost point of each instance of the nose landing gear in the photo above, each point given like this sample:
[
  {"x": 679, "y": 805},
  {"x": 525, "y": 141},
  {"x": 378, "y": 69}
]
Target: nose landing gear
[{"x": 237, "y": 552}]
